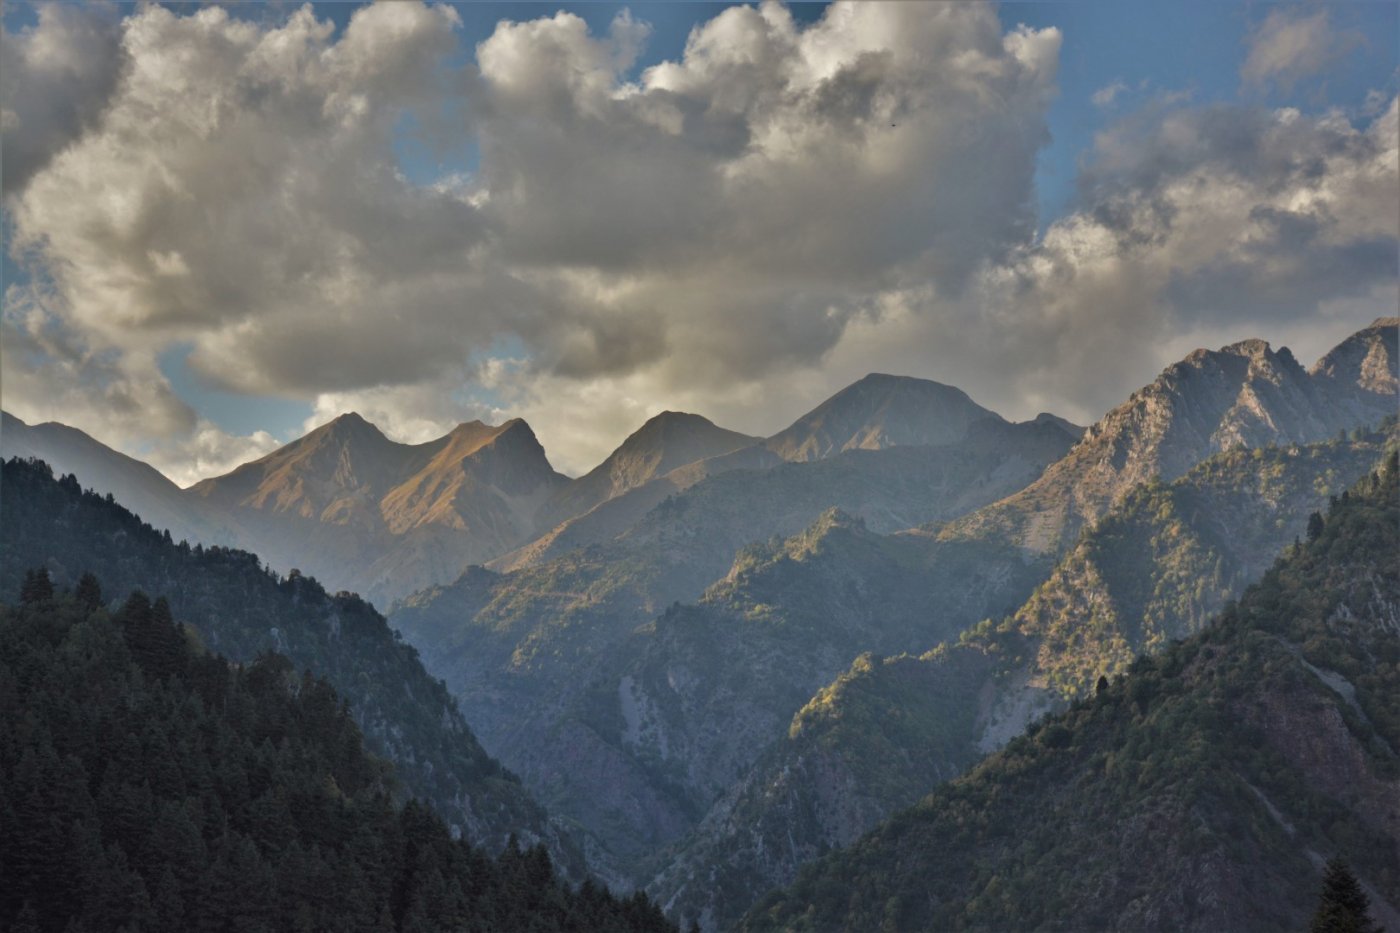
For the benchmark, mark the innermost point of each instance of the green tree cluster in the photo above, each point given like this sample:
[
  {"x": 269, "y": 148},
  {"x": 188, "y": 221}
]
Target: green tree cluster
[
  {"x": 147, "y": 785},
  {"x": 235, "y": 606}
]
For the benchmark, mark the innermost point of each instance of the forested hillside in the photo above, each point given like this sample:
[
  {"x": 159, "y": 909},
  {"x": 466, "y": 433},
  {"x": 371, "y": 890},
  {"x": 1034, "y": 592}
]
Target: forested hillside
[
  {"x": 1204, "y": 790},
  {"x": 886, "y": 731},
  {"x": 148, "y": 785},
  {"x": 239, "y": 609}
]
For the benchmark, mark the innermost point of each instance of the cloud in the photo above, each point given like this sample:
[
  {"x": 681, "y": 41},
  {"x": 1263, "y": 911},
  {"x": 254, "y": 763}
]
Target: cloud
[
  {"x": 1291, "y": 44},
  {"x": 206, "y": 451},
  {"x": 240, "y": 192},
  {"x": 739, "y": 231},
  {"x": 1106, "y": 95},
  {"x": 55, "y": 78}
]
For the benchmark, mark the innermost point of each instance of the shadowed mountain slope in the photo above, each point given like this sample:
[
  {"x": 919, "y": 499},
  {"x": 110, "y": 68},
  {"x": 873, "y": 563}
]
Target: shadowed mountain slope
[
  {"x": 138, "y": 485},
  {"x": 240, "y": 609},
  {"x": 529, "y": 648},
  {"x": 1203, "y": 791},
  {"x": 148, "y": 784}
]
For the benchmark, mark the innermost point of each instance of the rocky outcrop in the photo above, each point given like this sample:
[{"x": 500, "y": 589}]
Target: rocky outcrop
[{"x": 1244, "y": 395}]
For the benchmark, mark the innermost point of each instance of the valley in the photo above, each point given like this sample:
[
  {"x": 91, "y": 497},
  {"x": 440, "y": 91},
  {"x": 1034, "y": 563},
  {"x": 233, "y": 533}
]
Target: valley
[{"x": 721, "y": 657}]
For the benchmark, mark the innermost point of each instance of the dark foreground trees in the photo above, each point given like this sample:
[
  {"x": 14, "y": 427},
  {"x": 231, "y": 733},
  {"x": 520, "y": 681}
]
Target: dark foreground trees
[{"x": 146, "y": 785}]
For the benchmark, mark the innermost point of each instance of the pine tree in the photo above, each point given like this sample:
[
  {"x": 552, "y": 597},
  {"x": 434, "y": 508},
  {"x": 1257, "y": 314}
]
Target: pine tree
[
  {"x": 37, "y": 587},
  {"x": 89, "y": 593},
  {"x": 1342, "y": 906}
]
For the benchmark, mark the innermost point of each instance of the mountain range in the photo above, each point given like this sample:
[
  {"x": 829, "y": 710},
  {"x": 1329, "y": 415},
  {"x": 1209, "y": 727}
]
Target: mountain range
[
  {"x": 1202, "y": 790},
  {"x": 1242, "y": 395},
  {"x": 882, "y": 733},
  {"x": 716, "y": 658}
]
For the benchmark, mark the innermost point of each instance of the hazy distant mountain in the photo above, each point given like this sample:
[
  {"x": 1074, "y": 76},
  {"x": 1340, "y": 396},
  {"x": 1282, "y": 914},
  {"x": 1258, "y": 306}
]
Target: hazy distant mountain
[
  {"x": 1243, "y": 395},
  {"x": 530, "y": 647},
  {"x": 362, "y": 512},
  {"x": 877, "y": 412},
  {"x": 134, "y": 484},
  {"x": 883, "y": 733},
  {"x": 1202, "y": 792},
  {"x": 671, "y": 439}
]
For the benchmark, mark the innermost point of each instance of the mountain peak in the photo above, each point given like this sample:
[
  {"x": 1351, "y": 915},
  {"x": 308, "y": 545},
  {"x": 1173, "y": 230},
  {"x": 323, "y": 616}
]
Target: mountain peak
[
  {"x": 663, "y": 443},
  {"x": 1242, "y": 396},
  {"x": 877, "y": 411},
  {"x": 665, "y": 424},
  {"x": 1064, "y": 424},
  {"x": 1253, "y": 347},
  {"x": 1365, "y": 366},
  {"x": 349, "y": 426}
]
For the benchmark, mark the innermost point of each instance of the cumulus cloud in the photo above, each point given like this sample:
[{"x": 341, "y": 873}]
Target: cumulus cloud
[
  {"x": 723, "y": 215},
  {"x": 1291, "y": 44},
  {"x": 55, "y": 78},
  {"x": 206, "y": 451},
  {"x": 738, "y": 232}
]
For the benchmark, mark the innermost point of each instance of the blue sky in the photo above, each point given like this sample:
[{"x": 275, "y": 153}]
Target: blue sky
[{"x": 559, "y": 325}]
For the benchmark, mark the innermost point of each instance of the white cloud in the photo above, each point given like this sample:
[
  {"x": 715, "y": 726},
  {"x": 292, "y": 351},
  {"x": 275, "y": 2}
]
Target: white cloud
[
  {"x": 208, "y": 451},
  {"x": 1106, "y": 95},
  {"x": 737, "y": 232},
  {"x": 1291, "y": 44}
]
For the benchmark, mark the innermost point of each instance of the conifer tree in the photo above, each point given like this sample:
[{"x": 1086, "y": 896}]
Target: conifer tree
[
  {"x": 1342, "y": 906},
  {"x": 89, "y": 593},
  {"x": 37, "y": 587}
]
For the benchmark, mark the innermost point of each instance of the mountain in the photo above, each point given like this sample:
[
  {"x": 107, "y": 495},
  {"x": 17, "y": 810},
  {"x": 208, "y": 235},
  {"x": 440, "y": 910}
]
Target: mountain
[
  {"x": 363, "y": 512},
  {"x": 877, "y": 412},
  {"x": 136, "y": 484},
  {"x": 532, "y": 651},
  {"x": 671, "y": 439},
  {"x": 692, "y": 699},
  {"x": 240, "y": 609},
  {"x": 150, "y": 785},
  {"x": 1244, "y": 395},
  {"x": 1204, "y": 790},
  {"x": 1155, "y": 569}
]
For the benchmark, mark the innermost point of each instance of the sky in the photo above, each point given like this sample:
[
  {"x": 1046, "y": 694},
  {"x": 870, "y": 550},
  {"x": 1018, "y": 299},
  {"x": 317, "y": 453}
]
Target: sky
[{"x": 225, "y": 225}]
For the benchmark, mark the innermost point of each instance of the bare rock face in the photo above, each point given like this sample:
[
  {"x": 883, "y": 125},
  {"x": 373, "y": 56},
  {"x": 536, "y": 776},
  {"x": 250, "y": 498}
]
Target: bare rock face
[
  {"x": 1363, "y": 367},
  {"x": 1242, "y": 395}
]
